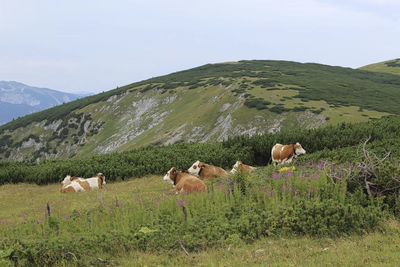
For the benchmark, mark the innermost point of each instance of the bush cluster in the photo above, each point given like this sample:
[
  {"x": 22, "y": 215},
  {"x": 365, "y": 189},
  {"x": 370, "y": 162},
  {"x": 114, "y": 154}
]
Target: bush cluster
[{"x": 332, "y": 142}]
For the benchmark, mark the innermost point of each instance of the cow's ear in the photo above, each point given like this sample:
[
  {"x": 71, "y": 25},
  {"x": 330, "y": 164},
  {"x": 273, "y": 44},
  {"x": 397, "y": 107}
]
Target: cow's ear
[
  {"x": 173, "y": 170},
  {"x": 201, "y": 165}
]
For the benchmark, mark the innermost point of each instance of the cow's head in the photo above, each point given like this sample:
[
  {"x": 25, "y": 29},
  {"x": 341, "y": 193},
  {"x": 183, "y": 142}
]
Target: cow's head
[
  {"x": 236, "y": 167},
  {"x": 170, "y": 175},
  {"x": 299, "y": 149},
  {"x": 196, "y": 167},
  {"x": 101, "y": 176},
  {"x": 67, "y": 179}
]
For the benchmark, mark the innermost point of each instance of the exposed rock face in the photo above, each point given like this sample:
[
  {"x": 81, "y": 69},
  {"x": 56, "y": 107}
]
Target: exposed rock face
[
  {"x": 310, "y": 120},
  {"x": 143, "y": 115}
]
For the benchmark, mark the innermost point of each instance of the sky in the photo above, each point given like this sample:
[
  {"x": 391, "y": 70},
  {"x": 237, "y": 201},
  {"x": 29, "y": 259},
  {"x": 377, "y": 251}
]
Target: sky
[{"x": 97, "y": 45}]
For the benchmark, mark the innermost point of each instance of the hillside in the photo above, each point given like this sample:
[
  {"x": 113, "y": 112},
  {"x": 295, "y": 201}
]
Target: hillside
[
  {"x": 389, "y": 66},
  {"x": 207, "y": 103},
  {"x": 18, "y": 99}
]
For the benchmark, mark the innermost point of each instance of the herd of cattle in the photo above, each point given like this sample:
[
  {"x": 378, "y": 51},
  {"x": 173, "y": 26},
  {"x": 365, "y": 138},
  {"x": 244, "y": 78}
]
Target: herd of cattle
[{"x": 192, "y": 181}]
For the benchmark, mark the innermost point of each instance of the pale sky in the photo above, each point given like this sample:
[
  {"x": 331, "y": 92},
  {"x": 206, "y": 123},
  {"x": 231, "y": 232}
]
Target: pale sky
[{"x": 97, "y": 45}]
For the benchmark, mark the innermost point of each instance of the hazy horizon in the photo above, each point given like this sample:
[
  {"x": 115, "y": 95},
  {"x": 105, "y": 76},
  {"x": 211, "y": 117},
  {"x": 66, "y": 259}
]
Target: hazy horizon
[{"x": 97, "y": 45}]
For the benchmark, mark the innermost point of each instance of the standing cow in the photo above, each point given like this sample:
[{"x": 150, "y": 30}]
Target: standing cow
[{"x": 281, "y": 154}]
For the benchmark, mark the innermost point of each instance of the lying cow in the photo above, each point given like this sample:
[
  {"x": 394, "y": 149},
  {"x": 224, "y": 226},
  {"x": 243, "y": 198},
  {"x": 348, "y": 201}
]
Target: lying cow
[
  {"x": 184, "y": 182},
  {"x": 242, "y": 168},
  {"x": 77, "y": 184},
  {"x": 281, "y": 154},
  {"x": 204, "y": 171}
]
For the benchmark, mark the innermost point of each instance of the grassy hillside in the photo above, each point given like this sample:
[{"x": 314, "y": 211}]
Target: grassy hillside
[
  {"x": 389, "y": 66},
  {"x": 207, "y": 103}
]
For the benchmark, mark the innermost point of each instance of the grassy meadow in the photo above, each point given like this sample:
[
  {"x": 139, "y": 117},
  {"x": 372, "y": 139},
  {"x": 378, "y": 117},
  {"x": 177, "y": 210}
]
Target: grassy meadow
[
  {"x": 31, "y": 199},
  {"x": 276, "y": 216}
]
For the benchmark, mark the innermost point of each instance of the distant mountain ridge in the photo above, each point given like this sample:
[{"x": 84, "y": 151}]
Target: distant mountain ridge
[{"x": 18, "y": 99}]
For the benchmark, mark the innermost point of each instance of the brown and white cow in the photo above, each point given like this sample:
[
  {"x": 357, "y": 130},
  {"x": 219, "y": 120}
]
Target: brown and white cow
[
  {"x": 203, "y": 170},
  {"x": 184, "y": 182},
  {"x": 281, "y": 154},
  {"x": 243, "y": 168},
  {"x": 77, "y": 184}
]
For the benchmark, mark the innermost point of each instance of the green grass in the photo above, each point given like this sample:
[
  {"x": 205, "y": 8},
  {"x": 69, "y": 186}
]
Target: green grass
[
  {"x": 372, "y": 249},
  {"x": 32, "y": 199},
  {"x": 389, "y": 66}
]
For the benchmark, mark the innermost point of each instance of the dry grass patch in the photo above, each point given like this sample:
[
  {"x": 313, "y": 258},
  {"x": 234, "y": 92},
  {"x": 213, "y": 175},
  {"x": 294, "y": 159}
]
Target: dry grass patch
[{"x": 32, "y": 199}]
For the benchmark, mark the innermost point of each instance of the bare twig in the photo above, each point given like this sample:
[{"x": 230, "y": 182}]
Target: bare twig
[
  {"x": 187, "y": 253},
  {"x": 76, "y": 259}
]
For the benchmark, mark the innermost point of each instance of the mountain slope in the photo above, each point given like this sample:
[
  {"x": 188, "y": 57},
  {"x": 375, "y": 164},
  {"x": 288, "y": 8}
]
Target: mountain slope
[
  {"x": 389, "y": 66},
  {"x": 208, "y": 103},
  {"x": 18, "y": 99}
]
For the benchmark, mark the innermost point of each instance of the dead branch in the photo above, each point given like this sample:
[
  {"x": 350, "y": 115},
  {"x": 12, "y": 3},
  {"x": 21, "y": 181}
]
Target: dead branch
[{"x": 187, "y": 253}]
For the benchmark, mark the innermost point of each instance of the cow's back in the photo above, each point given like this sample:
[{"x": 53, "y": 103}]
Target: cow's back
[
  {"x": 210, "y": 171},
  {"x": 190, "y": 183}
]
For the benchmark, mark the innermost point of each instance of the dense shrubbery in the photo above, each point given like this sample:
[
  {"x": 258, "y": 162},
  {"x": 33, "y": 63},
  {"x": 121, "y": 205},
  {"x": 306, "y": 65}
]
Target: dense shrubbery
[
  {"x": 257, "y": 103},
  {"x": 332, "y": 142},
  {"x": 117, "y": 166}
]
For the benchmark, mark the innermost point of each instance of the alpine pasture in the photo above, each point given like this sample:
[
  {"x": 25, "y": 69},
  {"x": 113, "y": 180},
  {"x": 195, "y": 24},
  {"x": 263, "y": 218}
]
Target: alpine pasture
[{"x": 342, "y": 196}]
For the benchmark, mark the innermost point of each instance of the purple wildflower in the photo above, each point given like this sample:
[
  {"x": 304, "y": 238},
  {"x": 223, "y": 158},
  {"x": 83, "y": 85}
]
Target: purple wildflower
[
  {"x": 67, "y": 217},
  {"x": 221, "y": 185},
  {"x": 261, "y": 187},
  {"x": 265, "y": 193},
  {"x": 120, "y": 204},
  {"x": 290, "y": 189},
  {"x": 297, "y": 192},
  {"x": 136, "y": 197},
  {"x": 40, "y": 221},
  {"x": 1, "y": 222},
  {"x": 23, "y": 215},
  {"x": 167, "y": 192},
  {"x": 284, "y": 187},
  {"x": 101, "y": 205},
  {"x": 275, "y": 176},
  {"x": 181, "y": 203},
  {"x": 289, "y": 174},
  {"x": 109, "y": 210},
  {"x": 230, "y": 188}
]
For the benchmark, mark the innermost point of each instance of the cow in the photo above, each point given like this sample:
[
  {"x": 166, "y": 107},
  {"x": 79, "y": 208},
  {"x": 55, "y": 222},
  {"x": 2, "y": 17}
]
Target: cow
[
  {"x": 184, "y": 182},
  {"x": 281, "y": 154},
  {"x": 77, "y": 184},
  {"x": 243, "y": 168},
  {"x": 203, "y": 170}
]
